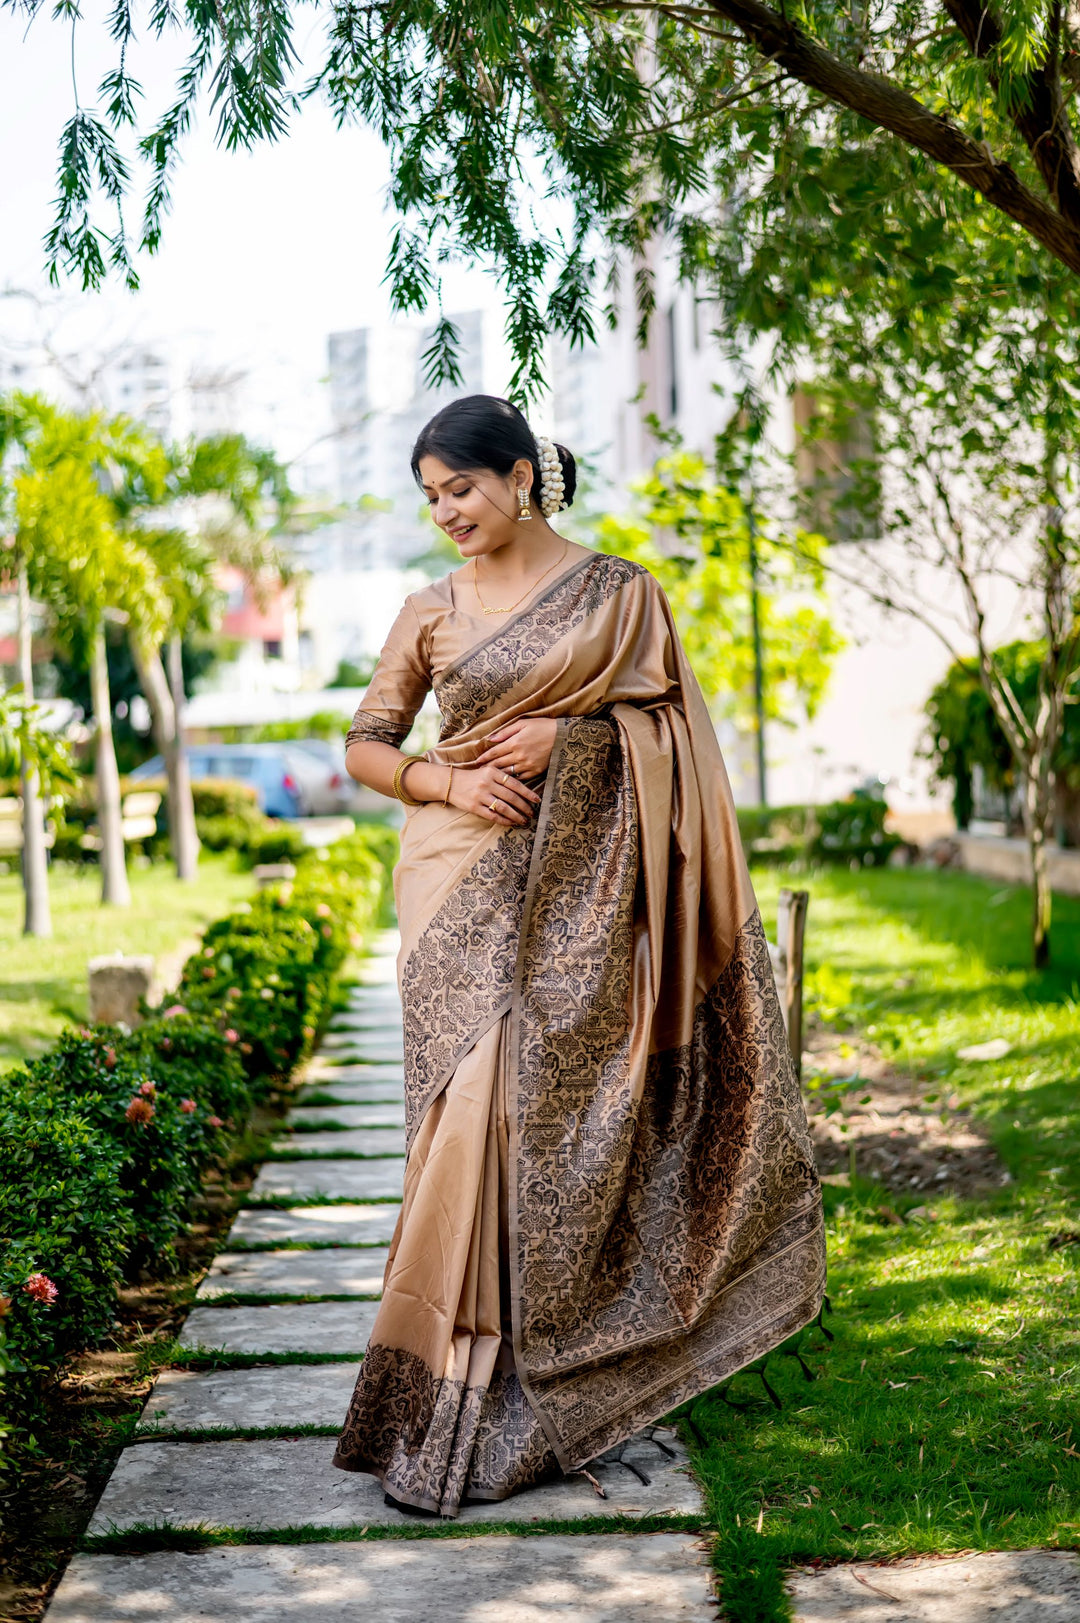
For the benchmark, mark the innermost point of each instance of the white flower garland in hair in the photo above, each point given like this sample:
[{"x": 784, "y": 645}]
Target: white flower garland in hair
[{"x": 552, "y": 488}]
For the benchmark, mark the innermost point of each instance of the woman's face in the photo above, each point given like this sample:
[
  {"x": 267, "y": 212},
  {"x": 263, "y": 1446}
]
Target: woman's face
[{"x": 478, "y": 509}]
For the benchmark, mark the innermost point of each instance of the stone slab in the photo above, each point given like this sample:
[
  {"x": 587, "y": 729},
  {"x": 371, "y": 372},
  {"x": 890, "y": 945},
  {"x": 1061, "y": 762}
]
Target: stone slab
[
  {"x": 370, "y": 1142},
  {"x": 377, "y": 1081},
  {"x": 1001, "y": 1586},
  {"x": 384, "y": 996},
  {"x": 347, "y": 1180},
  {"x": 384, "y": 1018},
  {"x": 310, "y": 1327},
  {"x": 315, "y": 1117},
  {"x": 358, "y": 1049},
  {"x": 380, "y": 971},
  {"x": 385, "y": 1033},
  {"x": 283, "y": 1482},
  {"x": 282, "y": 1395},
  {"x": 315, "y": 1225},
  {"x": 298, "y": 1273},
  {"x": 647, "y": 1578}
]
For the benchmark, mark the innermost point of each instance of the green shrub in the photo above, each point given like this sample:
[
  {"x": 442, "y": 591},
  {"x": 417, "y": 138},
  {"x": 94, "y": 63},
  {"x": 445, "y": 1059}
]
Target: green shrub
[
  {"x": 853, "y": 830},
  {"x": 365, "y": 859},
  {"x": 269, "y": 970},
  {"x": 224, "y": 797},
  {"x": 847, "y": 831},
  {"x": 62, "y": 1216},
  {"x": 163, "y": 1135},
  {"x": 103, "y": 1139},
  {"x": 274, "y": 842},
  {"x": 230, "y": 833},
  {"x": 194, "y": 1059}
]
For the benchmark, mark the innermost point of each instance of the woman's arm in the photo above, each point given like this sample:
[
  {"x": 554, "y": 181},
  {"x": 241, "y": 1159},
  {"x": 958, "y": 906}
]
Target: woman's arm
[{"x": 472, "y": 789}]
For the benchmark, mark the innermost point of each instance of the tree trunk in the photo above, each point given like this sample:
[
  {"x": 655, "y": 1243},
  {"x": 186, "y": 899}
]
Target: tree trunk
[
  {"x": 1038, "y": 807},
  {"x": 37, "y": 917},
  {"x": 183, "y": 837},
  {"x": 114, "y": 880}
]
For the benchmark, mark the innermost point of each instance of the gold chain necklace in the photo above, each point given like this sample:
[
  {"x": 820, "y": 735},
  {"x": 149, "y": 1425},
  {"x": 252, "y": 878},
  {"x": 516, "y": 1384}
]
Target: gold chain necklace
[{"x": 525, "y": 593}]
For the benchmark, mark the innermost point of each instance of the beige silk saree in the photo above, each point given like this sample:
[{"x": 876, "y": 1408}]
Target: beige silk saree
[{"x": 610, "y": 1199}]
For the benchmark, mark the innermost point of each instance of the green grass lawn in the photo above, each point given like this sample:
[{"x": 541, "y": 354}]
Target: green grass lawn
[
  {"x": 946, "y": 1414},
  {"x": 43, "y": 983}
]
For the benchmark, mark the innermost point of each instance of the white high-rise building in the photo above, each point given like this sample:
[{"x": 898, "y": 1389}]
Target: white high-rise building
[{"x": 359, "y": 572}]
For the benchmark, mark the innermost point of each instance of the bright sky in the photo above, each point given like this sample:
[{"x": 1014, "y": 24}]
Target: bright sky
[{"x": 264, "y": 253}]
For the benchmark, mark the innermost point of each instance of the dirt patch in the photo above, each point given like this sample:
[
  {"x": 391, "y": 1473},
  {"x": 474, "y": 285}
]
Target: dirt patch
[{"x": 909, "y": 1136}]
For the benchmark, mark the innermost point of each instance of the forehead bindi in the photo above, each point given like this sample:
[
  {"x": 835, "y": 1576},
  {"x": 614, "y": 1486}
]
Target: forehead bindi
[{"x": 435, "y": 476}]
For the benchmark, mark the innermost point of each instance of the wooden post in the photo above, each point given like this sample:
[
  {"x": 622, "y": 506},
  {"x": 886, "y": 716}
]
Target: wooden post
[{"x": 790, "y": 932}]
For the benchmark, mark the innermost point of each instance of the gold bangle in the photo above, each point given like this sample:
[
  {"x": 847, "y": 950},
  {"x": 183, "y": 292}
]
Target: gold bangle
[
  {"x": 399, "y": 787},
  {"x": 449, "y": 781}
]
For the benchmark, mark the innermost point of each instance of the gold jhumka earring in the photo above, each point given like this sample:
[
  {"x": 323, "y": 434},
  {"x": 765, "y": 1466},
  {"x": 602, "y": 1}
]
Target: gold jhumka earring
[{"x": 524, "y": 510}]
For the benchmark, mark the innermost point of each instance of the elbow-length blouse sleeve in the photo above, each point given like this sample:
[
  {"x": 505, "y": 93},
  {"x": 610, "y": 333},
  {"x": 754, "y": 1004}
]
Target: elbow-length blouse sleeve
[{"x": 399, "y": 684}]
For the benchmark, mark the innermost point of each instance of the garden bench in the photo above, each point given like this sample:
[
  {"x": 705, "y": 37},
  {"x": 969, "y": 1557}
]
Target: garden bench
[
  {"x": 11, "y": 829},
  {"x": 138, "y": 812}
]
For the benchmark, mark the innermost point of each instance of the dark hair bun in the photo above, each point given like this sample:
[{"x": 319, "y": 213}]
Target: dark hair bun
[{"x": 569, "y": 472}]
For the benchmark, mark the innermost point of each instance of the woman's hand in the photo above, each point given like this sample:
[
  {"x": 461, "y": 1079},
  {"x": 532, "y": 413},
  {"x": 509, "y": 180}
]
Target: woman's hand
[
  {"x": 494, "y": 794},
  {"x": 524, "y": 745}
]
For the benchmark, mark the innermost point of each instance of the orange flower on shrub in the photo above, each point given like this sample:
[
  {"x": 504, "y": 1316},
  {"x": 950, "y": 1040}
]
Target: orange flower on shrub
[
  {"x": 214, "y": 1121},
  {"x": 140, "y": 1110},
  {"x": 148, "y": 1088},
  {"x": 188, "y": 1106},
  {"x": 5, "y": 1305},
  {"x": 41, "y": 1288}
]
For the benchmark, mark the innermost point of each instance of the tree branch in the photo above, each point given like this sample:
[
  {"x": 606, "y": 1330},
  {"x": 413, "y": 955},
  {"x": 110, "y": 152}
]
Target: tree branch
[
  {"x": 1039, "y": 117},
  {"x": 887, "y": 106}
]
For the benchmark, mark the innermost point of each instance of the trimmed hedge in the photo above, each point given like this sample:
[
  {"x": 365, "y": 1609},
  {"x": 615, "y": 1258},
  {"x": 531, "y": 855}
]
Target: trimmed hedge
[
  {"x": 850, "y": 831},
  {"x": 103, "y": 1141}
]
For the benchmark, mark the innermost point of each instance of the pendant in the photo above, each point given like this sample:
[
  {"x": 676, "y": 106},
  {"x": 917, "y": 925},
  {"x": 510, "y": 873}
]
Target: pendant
[{"x": 496, "y": 611}]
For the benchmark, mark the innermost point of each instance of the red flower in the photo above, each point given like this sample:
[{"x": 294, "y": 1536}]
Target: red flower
[
  {"x": 232, "y": 1036},
  {"x": 188, "y": 1106},
  {"x": 174, "y": 1009},
  {"x": 110, "y": 1059},
  {"x": 234, "y": 991},
  {"x": 41, "y": 1288},
  {"x": 165, "y": 1044},
  {"x": 140, "y": 1110},
  {"x": 148, "y": 1088},
  {"x": 245, "y": 1048},
  {"x": 214, "y": 1121},
  {"x": 5, "y": 1305}
]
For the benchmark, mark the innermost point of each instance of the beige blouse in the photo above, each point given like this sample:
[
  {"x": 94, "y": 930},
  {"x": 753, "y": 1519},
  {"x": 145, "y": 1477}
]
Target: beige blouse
[{"x": 429, "y": 634}]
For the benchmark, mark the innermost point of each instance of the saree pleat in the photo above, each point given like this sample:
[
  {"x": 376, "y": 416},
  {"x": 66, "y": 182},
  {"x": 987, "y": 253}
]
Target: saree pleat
[{"x": 610, "y": 1198}]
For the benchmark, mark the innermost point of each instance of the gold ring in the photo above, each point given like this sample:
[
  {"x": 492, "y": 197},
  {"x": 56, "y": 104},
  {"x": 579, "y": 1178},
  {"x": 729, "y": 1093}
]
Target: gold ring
[
  {"x": 492, "y": 806},
  {"x": 505, "y": 779}
]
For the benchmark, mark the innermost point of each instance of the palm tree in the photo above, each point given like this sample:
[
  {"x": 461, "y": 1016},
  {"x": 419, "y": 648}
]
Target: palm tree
[
  {"x": 15, "y": 426},
  {"x": 87, "y": 570}
]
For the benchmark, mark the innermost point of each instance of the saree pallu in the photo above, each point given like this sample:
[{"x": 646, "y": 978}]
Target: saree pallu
[{"x": 610, "y": 1196}]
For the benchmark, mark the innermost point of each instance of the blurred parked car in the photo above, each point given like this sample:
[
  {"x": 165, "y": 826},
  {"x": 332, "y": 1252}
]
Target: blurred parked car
[
  {"x": 340, "y": 790},
  {"x": 288, "y": 782}
]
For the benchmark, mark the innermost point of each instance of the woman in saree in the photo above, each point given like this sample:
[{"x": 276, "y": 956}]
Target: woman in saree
[{"x": 610, "y": 1199}]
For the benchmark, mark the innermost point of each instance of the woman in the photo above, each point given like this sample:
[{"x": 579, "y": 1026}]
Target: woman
[{"x": 610, "y": 1199}]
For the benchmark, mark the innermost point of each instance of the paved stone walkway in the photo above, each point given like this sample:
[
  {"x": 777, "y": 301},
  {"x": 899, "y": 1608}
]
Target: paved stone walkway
[
  {"x": 302, "y": 1279},
  {"x": 301, "y": 1275}
]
